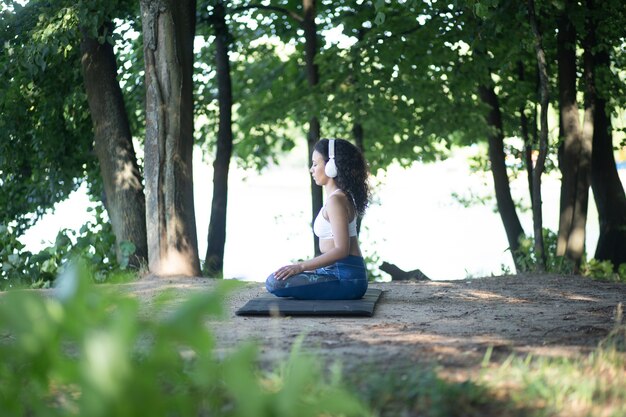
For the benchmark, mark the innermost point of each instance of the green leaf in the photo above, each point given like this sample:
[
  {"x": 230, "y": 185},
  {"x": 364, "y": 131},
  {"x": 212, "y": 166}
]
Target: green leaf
[
  {"x": 127, "y": 248},
  {"x": 14, "y": 259},
  {"x": 380, "y": 18},
  {"x": 49, "y": 266},
  {"x": 62, "y": 241},
  {"x": 480, "y": 10}
]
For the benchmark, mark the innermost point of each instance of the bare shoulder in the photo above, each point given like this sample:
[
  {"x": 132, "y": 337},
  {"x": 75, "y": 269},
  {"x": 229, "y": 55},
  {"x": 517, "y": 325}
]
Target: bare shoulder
[
  {"x": 338, "y": 197},
  {"x": 339, "y": 202}
]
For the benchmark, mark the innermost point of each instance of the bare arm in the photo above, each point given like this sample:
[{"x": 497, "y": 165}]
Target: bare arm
[{"x": 338, "y": 217}]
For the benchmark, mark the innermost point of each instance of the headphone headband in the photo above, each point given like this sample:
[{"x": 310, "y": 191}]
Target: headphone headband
[{"x": 331, "y": 166}]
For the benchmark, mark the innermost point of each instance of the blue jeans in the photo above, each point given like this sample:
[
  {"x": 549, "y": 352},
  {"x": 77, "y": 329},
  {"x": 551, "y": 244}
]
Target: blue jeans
[{"x": 344, "y": 280}]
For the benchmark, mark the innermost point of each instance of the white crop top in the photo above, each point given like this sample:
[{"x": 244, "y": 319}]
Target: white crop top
[{"x": 322, "y": 229}]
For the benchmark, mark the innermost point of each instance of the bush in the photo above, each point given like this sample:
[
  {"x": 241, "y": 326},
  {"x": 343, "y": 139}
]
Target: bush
[
  {"x": 593, "y": 268},
  {"x": 94, "y": 242},
  {"x": 89, "y": 351},
  {"x": 527, "y": 258}
]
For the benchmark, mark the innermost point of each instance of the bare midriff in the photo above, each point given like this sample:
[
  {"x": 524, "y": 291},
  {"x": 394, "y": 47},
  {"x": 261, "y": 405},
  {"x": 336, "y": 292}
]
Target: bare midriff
[{"x": 328, "y": 244}]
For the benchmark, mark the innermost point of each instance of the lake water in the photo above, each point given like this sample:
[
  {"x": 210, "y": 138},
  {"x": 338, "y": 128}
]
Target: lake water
[{"x": 414, "y": 221}]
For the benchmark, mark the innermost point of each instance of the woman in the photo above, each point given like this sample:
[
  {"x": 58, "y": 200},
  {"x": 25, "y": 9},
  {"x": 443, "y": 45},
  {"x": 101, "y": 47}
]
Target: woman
[{"x": 339, "y": 272}]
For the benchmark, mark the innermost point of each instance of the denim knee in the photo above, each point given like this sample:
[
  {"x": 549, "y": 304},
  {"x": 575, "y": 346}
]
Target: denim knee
[{"x": 272, "y": 284}]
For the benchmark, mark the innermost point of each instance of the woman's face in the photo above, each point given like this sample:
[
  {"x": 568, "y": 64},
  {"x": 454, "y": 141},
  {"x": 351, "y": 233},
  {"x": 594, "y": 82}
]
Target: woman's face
[{"x": 317, "y": 168}]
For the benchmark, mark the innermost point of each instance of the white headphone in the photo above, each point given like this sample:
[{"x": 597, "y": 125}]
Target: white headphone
[{"x": 331, "y": 168}]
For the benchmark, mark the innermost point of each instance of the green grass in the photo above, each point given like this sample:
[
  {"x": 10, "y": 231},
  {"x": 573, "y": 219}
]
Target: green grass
[
  {"x": 420, "y": 391},
  {"x": 588, "y": 385},
  {"x": 591, "y": 385}
]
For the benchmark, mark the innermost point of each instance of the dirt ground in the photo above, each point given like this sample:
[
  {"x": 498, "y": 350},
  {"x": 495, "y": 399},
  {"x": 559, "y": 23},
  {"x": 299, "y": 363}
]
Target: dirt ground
[{"x": 450, "y": 323}]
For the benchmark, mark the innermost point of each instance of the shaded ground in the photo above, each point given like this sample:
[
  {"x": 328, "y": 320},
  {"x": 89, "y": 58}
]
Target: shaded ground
[{"x": 451, "y": 323}]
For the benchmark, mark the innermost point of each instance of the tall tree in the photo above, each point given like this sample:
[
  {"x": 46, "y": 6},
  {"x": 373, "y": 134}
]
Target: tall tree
[
  {"x": 537, "y": 172},
  {"x": 576, "y": 155},
  {"x": 506, "y": 206},
  {"x": 489, "y": 46},
  {"x": 312, "y": 75},
  {"x": 608, "y": 191},
  {"x": 168, "y": 31},
  {"x": 214, "y": 260},
  {"x": 527, "y": 134},
  {"x": 451, "y": 64},
  {"x": 290, "y": 97},
  {"x": 222, "y": 19},
  {"x": 125, "y": 201}
]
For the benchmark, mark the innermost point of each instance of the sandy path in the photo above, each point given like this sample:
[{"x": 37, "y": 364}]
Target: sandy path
[{"x": 451, "y": 323}]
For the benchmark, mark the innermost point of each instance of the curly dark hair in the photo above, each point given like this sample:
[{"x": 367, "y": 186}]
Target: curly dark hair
[{"x": 352, "y": 171}]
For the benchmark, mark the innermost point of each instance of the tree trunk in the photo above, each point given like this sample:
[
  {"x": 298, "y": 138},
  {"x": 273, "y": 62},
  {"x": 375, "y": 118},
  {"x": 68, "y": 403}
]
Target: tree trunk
[
  {"x": 506, "y": 206},
  {"x": 310, "y": 47},
  {"x": 359, "y": 136},
  {"x": 168, "y": 31},
  {"x": 357, "y": 130},
  {"x": 540, "y": 251},
  {"x": 608, "y": 191},
  {"x": 214, "y": 261},
  {"x": 528, "y": 143},
  {"x": 125, "y": 200},
  {"x": 576, "y": 156}
]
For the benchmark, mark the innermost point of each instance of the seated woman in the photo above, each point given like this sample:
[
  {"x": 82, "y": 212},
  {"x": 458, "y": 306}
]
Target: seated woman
[{"x": 339, "y": 272}]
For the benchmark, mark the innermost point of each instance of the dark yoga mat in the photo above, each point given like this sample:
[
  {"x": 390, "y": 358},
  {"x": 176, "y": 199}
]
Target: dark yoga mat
[{"x": 269, "y": 305}]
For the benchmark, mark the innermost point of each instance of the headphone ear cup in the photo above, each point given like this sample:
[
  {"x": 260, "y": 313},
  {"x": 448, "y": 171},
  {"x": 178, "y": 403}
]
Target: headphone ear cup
[{"x": 330, "y": 169}]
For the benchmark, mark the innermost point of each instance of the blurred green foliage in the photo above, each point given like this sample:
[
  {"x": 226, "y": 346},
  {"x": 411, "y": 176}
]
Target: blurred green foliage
[{"x": 89, "y": 351}]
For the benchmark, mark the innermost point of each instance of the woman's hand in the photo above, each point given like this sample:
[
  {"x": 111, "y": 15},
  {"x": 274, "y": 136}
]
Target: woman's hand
[{"x": 288, "y": 270}]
